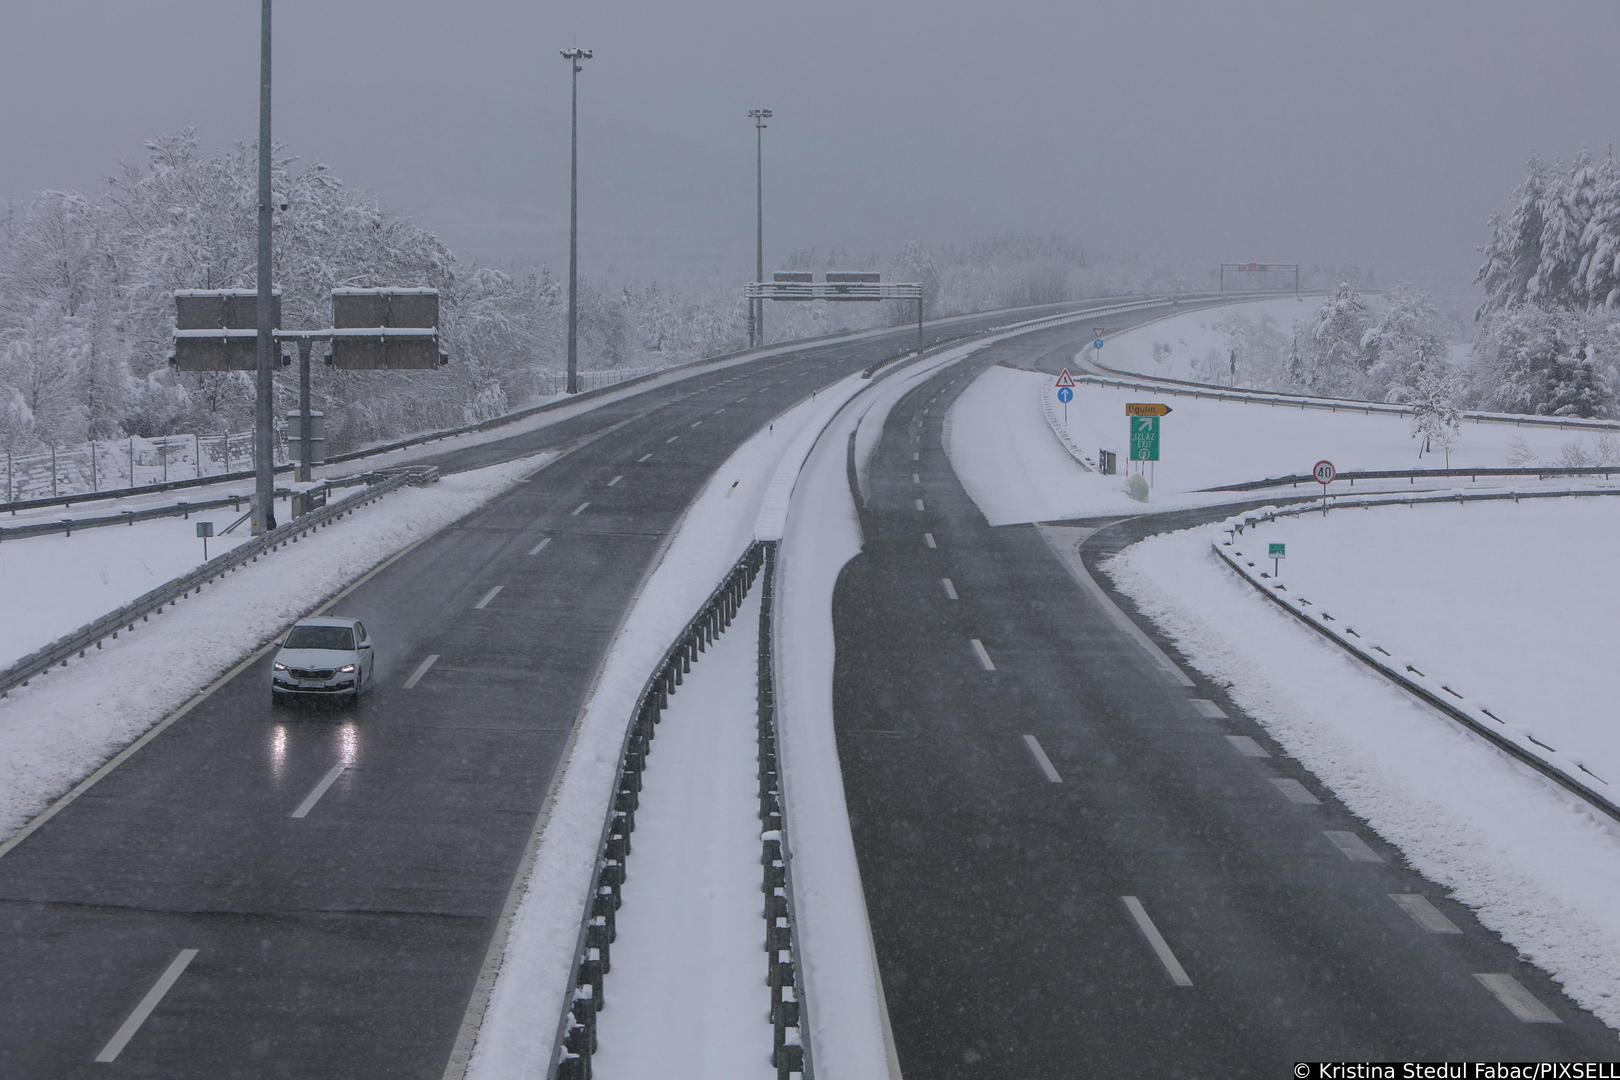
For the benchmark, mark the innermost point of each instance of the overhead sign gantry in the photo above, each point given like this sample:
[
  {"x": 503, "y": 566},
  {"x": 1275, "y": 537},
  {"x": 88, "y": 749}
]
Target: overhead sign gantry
[{"x": 838, "y": 285}]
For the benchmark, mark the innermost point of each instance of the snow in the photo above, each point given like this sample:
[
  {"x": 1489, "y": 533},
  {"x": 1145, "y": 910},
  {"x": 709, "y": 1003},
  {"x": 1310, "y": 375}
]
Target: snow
[
  {"x": 1496, "y": 600},
  {"x": 687, "y": 995},
  {"x": 1183, "y": 340},
  {"x": 1537, "y": 867},
  {"x": 61, "y": 727},
  {"x": 1012, "y": 464}
]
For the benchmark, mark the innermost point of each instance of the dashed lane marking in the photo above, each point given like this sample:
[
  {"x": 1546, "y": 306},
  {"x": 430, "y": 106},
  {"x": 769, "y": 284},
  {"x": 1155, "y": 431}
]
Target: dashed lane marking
[
  {"x": 919, "y": 504},
  {"x": 580, "y": 509},
  {"x": 421, "y": 670},
  {"x": 1294, "y": 791},
  {"x": 1208, "y": 708},
  {"x": 482, "y": 604},
  {"x": 615, "y": 480},
  {"x": 928, "y": 538},
  {"x": 126, "y": 1031},
  {"x": 1424, "y": 913},
  {"x": 1161, "y": 948},
  {"x": 671, "y": 439},
  {"x": 318, "y": 790},
  {"x": 950, "y": 590},
  {"x": 916, "y": 479},
  {"x": 1042, "y": 762},
  {"x": 1247, "y": 746},
  {"x": 642, "y": 458},
  {"x": 984, "y": 657},
  {"x": 1354, "y": 847},
  {"x": 1517, "y": 1000},
  {"x": 541, "y": 546}
]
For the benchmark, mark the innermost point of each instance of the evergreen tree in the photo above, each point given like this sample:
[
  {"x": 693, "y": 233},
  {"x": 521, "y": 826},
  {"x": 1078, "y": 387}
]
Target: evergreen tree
[{"x": 1337, "y": 364}]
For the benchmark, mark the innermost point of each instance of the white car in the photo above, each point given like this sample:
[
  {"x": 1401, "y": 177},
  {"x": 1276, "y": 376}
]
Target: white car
[{"x": 323, "y": 657}]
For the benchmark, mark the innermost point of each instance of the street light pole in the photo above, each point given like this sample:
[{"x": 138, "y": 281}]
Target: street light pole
[
  {"x": 574, "y": 56},
  {"x": 759, "y": 116},
  {"x": 264, "y": 483}
]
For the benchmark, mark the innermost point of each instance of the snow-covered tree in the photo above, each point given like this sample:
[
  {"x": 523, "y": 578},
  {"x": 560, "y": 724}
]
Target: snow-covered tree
[
  {"x": 1406, "y": 343},
  {"x": 1599, "y": 269},
  {"x": 1513, "y": 252},
  {"x": 1436, "y": 419},
  {"x": 1576, "y": 387},
  {"x": 1336, "y": 363}
]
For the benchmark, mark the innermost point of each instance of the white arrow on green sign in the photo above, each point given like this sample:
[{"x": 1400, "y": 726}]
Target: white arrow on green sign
[{"x": 1144, "y": 438}]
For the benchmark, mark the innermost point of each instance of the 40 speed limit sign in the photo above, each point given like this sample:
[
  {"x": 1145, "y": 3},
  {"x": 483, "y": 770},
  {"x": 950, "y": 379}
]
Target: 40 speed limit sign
[{"x": 1324, "y": 472}]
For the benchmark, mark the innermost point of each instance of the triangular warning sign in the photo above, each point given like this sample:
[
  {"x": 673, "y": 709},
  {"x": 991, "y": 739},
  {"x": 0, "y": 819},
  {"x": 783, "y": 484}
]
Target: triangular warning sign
[{"x": 1065, "y": 380}]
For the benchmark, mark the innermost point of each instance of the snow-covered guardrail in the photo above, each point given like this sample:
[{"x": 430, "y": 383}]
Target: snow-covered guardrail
[
  {"x": 1062, "y": 432},
  {"x": 576, "y": 1040},
  {"x": 1413, "y": 475},
  {"x": 1562, "y": 766},
  {"x": 140, "y": 610},
  {"x": 1182, "y": 388}
]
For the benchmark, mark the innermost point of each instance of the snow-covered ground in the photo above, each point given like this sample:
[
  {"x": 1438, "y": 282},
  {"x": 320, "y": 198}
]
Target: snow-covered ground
[
  {"x": 1510, "y": 604},
  {"x": 1016, "y": 470},
  {"x": 50, "y": 585},
  {"x": 1538, "y": 867},
  {"x": 1197, "y": 345},
  {"x": 687, "y": 994},
  {"x": 59, "y": 729}
]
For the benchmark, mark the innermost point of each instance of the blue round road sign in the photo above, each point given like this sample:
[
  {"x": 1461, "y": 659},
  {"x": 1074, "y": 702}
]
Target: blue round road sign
[
  {"x": 1065, "y": 395},
  {"x": 1097, "y": 343}
]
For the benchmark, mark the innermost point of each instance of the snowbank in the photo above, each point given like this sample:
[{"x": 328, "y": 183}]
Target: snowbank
[
  {"x": 1539, "y": 869},
  {"x": 57, "y": 730}
]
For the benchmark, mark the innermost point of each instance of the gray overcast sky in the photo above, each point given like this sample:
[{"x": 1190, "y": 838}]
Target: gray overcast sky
[{"x": 1377, "y": 131}]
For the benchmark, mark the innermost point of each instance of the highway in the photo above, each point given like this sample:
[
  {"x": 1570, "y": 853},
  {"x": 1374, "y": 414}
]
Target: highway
[
  {"x": 299, "y": 893},
  {"x": 1080, "y": 859}
]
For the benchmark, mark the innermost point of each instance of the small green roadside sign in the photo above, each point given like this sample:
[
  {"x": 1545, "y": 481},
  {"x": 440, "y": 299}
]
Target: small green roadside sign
[
  {"x": 1144, "y": 438},
  {"x": 1277, "y": 551}
]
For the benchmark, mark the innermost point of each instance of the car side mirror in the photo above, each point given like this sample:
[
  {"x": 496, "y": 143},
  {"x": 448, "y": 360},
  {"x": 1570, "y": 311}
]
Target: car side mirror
[{"x": 365, "y": 645}]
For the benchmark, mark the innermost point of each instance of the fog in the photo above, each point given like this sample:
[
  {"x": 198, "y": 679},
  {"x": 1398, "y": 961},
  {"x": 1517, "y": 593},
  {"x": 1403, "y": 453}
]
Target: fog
[{"x": 1381, "y": 133}]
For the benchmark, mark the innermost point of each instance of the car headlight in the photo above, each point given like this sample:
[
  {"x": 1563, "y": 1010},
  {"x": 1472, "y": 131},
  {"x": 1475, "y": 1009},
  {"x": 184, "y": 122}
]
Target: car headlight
[
  {"x": 279, "y": 666},
  {"x": 346, "y": 669}
]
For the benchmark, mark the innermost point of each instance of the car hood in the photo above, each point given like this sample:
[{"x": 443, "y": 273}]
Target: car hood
[{"x": 316, "y": 658}]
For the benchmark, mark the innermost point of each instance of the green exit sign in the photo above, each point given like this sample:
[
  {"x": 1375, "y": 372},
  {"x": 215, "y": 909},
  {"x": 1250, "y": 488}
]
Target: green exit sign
[{"x": 1277, "y": 551}]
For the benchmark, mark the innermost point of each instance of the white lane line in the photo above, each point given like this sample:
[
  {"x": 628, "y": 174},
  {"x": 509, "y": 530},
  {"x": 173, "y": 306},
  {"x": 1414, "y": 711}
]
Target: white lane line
[
  {"x": 642, "y": 458},
  {"x": 615, "y": 480},
  {"x": 984, "y": 657},
  {"x": 1208, "y": 708},
  {"x": 1354, "y": 847},
  {"x": 671, "y": 439},
  {"x": 720, "y": 410},
  {"x": 1247, "y": 746},
  {"x": 928, "y": 538},
  {"x": 919, "y": 504},
  {"x": 1295, "y": 791},
  {"x": 916, "y": 455},
  {"x": 130, "y": 1026},
  {"x": 541, "y": 546},
  {"x": 915, "y": 479},
  {"x": 318, "y": 790},
  {"x": 697, "y": 423},
  {"x": 1161, "y": 948},
  {"x": 421, "y": 670},
  {"x": 482, "y": 604},
  {"x": 950, "y": 590},
  {"x": 1517, "y": 1000},
  {"x": 576, "y": 511},
  {"x": 1424, "y": 913},
  {"x": 1041, "y": 760}
]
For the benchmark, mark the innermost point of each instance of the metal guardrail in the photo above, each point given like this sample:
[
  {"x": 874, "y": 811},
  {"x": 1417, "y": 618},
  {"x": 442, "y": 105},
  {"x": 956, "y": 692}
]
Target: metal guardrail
[
  {"x": 182, "y": 509},
  {"x": 1413, "y": 475},
  {"x": 576, "y": 1030},
  {"x": 140, "y": 610},
  {"x": 1062, "y": 433},
  {"x": 1563, "y": 769}
]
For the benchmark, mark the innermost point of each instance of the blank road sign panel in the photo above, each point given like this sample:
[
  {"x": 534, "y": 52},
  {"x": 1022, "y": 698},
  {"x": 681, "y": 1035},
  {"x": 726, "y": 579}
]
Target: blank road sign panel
[{"x": 394, "y": 314}]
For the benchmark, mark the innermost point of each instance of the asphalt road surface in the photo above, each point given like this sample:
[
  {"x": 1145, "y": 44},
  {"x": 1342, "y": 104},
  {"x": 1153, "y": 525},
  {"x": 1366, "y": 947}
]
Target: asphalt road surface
[
  {"x": 304, "y": 892},
  {"x": 1081, "y": 860}
]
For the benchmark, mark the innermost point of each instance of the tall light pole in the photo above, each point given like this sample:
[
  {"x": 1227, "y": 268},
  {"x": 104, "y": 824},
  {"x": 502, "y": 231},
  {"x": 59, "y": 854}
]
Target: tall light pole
[
  {"x": 573, "y": 56},
  {"x": 264, "y": 477},
  {"x": 759, "y": 116}
]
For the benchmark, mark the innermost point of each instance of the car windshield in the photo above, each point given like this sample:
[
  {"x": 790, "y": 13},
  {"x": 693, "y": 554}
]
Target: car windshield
[{"x": 320, "y": 637}]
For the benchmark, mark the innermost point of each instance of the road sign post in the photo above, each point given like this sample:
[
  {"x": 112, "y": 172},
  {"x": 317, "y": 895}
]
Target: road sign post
[
  {"x": 205, "y": 529},
  {"x": 1277, "y": 552},
  {"x": 1324, "y": 472},
  {"x": 1065, "y": 393}
]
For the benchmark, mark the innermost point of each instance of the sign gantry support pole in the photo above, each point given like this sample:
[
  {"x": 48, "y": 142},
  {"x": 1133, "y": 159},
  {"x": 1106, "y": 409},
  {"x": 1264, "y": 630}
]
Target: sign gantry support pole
[
  {"x": 264, "y": 487},
  {"x": 573, "y": 56},
  {"x": 305, "y": 442}
]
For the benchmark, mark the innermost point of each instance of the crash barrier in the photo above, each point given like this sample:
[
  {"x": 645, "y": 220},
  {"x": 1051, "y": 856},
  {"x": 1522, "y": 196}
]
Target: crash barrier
[
  {"x": 1062, "y": 432},
  {"x": 140, "y": 610},
  {"x": 576, "y": 1032},
  {"x": 1560, "y": 766},
  {"x": 1413, "y": 475},
  {"x": 1160, "y": 384},
  {"x": 181, "y": 509}
]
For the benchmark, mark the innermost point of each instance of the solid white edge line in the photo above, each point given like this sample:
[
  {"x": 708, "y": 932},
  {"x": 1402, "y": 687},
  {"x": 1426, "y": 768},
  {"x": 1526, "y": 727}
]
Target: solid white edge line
[
  {"x": 1161, "y": 948},
  {"x": 1041, "y": 760},
  {"x": 487, "y": 598},
  {"x": 318, "y": 790},
  {"x": 541, "y": 546},
  {"x": 202, "y": 695},
  {"x": 979, "y": 651},
  {"x": 950, "y": 590},
  {"x": 1425, "y": 914},
  {"x": 133, "y": 1022},
  {"x": 421, "y": 670},
  {"x": 1516, "y": 999},
  {"x": 576, "y": 511}
]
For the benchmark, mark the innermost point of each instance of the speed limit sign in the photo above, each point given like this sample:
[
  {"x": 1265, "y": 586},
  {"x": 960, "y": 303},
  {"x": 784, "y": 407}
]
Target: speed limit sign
[{"x": 1324, "y": 472}]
